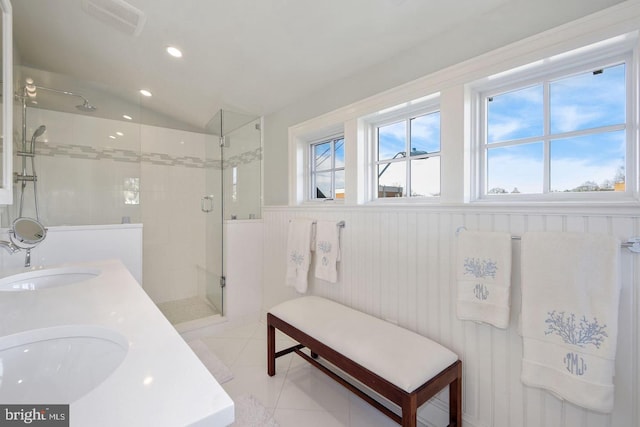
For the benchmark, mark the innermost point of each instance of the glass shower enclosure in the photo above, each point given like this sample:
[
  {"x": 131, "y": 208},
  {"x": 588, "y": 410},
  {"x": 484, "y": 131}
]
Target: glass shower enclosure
[
  {"x": 180, "y": 181},
  {"x": 233, "y": 191}
]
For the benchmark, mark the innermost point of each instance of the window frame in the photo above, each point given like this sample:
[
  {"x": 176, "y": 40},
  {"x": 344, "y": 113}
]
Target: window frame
[
  {"x": 403, "y": 112},
  {"x": 312, "y": 172},
  {"x": 545, "y": 72}
]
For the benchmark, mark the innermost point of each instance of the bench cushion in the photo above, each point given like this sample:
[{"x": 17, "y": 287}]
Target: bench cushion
[{"x": 402, "y": 357}]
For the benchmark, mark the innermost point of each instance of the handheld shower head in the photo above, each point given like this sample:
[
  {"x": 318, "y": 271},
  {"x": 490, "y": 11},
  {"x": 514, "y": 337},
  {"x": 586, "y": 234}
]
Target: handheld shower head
[{"x": 38, "y": 132}]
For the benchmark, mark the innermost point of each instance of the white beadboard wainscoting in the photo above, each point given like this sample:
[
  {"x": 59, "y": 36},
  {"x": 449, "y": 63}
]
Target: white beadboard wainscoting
[{"x": 397, "y": 264}]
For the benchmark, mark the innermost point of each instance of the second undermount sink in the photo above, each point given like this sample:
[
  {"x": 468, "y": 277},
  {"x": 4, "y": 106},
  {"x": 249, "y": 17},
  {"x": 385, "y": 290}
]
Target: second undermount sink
[
  {"x": 57, "y": 365},
  {"x": 47, "y": 278}
]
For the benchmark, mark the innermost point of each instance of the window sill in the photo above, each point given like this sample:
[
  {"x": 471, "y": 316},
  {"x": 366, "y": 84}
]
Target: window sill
[
  {"x": 323, "y": 202},
  {"x": 613, "y": 206},
  {"x": 405, "y": 201}
]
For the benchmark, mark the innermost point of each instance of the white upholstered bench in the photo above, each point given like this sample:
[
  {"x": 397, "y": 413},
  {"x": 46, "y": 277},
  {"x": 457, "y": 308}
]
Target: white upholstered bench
[{"x": 406, "y": 368}]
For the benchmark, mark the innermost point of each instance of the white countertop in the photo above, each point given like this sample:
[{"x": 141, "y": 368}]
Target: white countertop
[{"x": 160, "y": 382}]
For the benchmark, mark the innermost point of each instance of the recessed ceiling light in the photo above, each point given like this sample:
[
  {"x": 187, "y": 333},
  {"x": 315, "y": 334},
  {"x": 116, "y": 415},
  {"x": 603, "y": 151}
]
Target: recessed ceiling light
[
  {"x": 112, "y": 137},
  {"x": 145, "y": 92},
  {"x": 119, "y": 133},
  {"x": 124, "y": 116},
  {"x": 174, "y": 51}
]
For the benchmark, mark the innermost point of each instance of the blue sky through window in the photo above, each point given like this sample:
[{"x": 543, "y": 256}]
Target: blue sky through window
[
  {"x": 393, "y": 143},
  {"x": 588, "y": 100},
  {"x": 328, "y": 168},
  {"x": 584, "y": 103},
  {"x": 515, "y": 115}
]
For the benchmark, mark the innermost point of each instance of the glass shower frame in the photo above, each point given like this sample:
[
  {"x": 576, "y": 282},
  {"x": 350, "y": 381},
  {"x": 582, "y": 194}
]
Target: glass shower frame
[{"x": 233, "y": 190}]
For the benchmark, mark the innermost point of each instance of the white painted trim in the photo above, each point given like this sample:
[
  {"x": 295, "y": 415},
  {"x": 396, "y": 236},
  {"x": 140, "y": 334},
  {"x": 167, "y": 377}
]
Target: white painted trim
[
  {"x": 6, "y": 186},
  {"x": 622, "y": 49},
  {"x": 603, "y": 209},
  {"x": 299, "y": 139}
]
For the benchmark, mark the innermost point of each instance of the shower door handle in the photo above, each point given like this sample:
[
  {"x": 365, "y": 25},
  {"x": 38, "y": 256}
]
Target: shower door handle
[{"x": 206, "y": 204}]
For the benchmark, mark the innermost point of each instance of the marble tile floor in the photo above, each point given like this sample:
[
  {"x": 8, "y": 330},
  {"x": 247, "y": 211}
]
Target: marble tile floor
[
  {"x": 188, "y": 309},
  {"x": 299, "y": 394}
]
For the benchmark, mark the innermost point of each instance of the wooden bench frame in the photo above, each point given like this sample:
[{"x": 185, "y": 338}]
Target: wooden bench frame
[{"x": 408, "y": 402}]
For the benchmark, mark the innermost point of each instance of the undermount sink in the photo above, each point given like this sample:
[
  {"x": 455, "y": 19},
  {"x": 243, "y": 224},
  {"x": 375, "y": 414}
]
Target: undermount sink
[
  {"x": 47, "y": 278},
  {"x": 57, "y": 365}
]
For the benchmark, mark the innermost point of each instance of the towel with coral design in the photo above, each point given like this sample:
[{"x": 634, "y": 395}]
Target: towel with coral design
[
  {"x": 299, "y": 253},
  {"x": 570, "y": 299},
  {"x": 484, "y": 277}
]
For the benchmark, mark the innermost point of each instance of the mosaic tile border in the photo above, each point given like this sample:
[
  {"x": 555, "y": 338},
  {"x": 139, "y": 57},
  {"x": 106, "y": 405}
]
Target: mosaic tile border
[{"x": 129, "y": 156}]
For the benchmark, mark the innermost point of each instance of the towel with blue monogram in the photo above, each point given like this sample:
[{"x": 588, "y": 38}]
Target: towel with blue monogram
[
  {"x": 327, "y": 250},
  {"x": 299, "y": 253},
  {"x": 570, "y": 299},
  {"x": 484, "y": 277}
]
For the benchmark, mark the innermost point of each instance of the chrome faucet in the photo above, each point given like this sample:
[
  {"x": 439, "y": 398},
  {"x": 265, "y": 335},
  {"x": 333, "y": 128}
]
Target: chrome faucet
[{"x": 10, "y": 247}]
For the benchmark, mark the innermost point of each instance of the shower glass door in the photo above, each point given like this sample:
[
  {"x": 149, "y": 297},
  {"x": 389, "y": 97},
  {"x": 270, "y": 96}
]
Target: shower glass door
[
  {"x": 212, "y": 205},
  {"x": 233, "y": 190}
]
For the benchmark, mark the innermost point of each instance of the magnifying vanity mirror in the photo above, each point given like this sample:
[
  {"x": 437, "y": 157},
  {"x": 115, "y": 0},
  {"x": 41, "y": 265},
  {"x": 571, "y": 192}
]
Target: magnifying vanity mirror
[
  {"x": 26, "y": 233},
  {"x": 6, "y": 127}
]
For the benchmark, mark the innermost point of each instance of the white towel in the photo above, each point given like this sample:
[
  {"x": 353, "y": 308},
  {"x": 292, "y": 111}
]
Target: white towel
[
  {"x": 299, "y": 253},
  {"x": 570, "y": 297},
  {"x": 484, "y": 277},
  {"x": 327, "y": 250}
]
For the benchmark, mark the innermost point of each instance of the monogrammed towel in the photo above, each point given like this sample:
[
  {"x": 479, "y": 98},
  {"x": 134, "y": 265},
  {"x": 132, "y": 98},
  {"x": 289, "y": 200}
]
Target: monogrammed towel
[
  {"x": 327, "y": 250},
  {"x": 299, "y": 253},
  {"x": 570, "y": 298},
  {"x": 484, "y": 277}
]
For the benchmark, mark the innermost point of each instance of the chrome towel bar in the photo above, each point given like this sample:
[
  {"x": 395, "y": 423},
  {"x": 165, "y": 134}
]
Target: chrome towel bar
[{"x": 633, "y": 243}]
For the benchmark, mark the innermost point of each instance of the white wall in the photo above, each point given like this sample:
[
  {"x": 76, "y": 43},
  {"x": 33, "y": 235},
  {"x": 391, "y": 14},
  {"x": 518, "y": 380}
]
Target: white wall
[
  {"x": 397, "y": 264},
  {"x": 65, "y": 244},
  {"x": 243, "y": 266},
  {"x": 397, "y": 261}
]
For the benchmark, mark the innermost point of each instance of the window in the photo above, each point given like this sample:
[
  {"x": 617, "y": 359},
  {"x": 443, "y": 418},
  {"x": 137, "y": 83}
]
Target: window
[
  {"x": 327, "y": 169},
  {"x": 562, "y": 134},
  {"x": 416, "y": 174}
]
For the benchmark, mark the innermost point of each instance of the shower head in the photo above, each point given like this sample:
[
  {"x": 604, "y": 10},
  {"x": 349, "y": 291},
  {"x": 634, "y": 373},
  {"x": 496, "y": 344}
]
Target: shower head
[
  {"x": 38, "y": 132},
  {"x": 86, "y": 107}
]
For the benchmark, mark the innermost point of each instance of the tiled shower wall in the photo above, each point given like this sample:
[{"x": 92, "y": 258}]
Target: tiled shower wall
[
  {"x": 397, "y": 264},
  {"x": 81, "y": 171},
  {"x": 144, "y": 174},
  {"x": 243, "y": 172}
]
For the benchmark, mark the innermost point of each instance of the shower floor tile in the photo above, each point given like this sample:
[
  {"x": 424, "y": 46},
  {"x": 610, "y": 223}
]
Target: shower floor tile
[{"x": 185, "y": 310}]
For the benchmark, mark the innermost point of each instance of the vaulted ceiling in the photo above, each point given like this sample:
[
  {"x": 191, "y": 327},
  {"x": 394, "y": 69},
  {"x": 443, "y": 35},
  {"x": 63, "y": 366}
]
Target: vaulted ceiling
[{"x": 253, "y": 56}]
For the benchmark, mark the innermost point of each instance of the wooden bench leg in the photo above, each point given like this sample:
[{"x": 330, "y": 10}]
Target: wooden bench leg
[
  {"x": 455, "y": 399},
  {"x": 271, "y": 350},
  {"x": 410, "y": 410}
]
